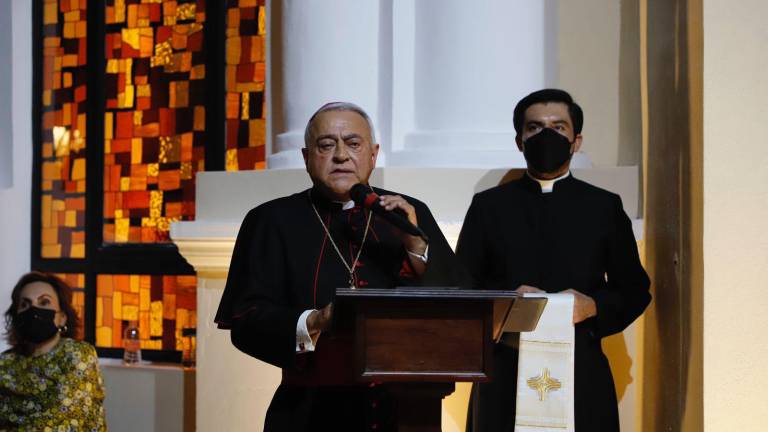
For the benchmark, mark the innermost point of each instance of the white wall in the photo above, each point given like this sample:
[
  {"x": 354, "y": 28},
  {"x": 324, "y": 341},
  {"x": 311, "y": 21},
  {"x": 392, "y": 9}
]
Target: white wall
[
  {"x": 735, "y": 214},
  {"x": 15, "y": 200},
  {"x": 6, "y": 130}
]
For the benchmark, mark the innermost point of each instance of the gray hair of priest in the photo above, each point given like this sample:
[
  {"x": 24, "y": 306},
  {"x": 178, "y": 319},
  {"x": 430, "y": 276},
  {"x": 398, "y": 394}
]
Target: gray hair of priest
[{"x": 339, "y": 106}]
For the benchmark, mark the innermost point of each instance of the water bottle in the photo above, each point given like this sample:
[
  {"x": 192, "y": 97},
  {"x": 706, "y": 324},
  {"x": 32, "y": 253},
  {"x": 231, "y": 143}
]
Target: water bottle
[{"x": 131, "y": 344}]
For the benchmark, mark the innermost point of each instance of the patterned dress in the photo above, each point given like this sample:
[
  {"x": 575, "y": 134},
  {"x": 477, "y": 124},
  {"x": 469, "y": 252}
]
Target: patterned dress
[{"x": 60, "y": 391}]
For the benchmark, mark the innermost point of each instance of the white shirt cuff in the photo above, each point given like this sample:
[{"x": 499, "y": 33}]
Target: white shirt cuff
[
  {"x": 423, "y": 258},
  {"x": 304, "y": 342}
]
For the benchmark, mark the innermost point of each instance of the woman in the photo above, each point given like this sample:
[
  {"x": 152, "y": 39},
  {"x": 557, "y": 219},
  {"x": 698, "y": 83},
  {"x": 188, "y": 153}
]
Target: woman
[{"x": 48, "y": 381}]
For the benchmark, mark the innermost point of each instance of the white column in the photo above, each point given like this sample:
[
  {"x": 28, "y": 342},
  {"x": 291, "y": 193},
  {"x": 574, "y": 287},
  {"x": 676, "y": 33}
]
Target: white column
[
  {"x": 6, "y": 99},
  {"x": 330, "y": 52},
  {"x": 473, "y": 62},
  {"x": 15, "y": 220}
]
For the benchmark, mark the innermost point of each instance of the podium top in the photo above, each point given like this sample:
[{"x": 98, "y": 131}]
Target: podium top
[
  {"x": 428, "y": 292},
  {"x": 512, "y": 313}
]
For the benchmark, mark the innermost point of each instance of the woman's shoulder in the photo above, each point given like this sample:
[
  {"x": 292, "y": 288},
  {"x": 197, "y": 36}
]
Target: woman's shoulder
[
  {"x": 76, "y": 349},
  {"x": 7, "y": 356},
  {"x": 77, "y": 345}
]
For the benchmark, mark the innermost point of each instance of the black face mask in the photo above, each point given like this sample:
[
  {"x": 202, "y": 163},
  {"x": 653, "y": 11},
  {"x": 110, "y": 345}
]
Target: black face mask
[
  {"x": 547, "y": 151},
  {"x": 36, "y": 325}
]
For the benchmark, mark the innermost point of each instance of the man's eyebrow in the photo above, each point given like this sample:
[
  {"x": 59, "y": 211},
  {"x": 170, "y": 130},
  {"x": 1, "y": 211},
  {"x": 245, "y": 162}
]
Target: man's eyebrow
[
  {"x": 350, "y": 136},
  {"x": 325, "y": 136}
]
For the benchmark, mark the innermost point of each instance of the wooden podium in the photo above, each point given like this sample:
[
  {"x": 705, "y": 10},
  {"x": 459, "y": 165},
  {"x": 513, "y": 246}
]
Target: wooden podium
[{"x": 419, "y": 342}]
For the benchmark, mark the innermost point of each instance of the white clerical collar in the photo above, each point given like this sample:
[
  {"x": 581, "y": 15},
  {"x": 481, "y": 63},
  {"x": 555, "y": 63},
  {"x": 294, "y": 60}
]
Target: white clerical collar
[
  {"x": 548, "y": 185},
  {"x": 346, "y": 205}
]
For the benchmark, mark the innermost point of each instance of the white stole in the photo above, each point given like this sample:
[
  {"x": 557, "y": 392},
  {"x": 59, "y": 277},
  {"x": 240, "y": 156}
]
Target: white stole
[{"x": 545, "y": 369}]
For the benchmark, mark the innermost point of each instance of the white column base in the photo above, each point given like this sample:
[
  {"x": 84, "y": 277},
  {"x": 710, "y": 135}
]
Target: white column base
[
  {"x": 466, "y": 149},
  {"x": 288, "y": 154}
]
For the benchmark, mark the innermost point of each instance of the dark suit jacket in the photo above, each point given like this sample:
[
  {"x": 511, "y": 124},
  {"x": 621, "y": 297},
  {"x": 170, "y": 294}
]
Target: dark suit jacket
[{"x": 579, "y": 237}]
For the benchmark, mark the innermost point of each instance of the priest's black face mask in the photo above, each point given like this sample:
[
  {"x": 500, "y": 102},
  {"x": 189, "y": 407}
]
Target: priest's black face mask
[
  {"x": 340, "y": 153},
  {"x": 548, "y": 139},
  {"x": 547, "y": 151}
]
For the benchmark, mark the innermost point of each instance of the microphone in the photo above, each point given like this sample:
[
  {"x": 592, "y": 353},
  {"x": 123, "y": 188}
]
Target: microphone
[{"x": 364, "y": 196}]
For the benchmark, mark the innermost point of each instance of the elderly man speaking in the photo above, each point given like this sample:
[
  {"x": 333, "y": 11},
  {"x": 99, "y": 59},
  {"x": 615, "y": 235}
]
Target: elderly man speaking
[{"x": 293, "y": 252}]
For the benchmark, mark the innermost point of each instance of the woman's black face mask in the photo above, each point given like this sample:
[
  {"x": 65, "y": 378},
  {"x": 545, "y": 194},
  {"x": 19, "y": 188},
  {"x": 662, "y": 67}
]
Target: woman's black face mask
[
  {"x": 36, "y": 325},
  {"x": 547, "y": 151}
]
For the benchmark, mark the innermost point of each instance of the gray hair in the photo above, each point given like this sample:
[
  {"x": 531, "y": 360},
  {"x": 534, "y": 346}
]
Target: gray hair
[{"x": 339, "y": 106}]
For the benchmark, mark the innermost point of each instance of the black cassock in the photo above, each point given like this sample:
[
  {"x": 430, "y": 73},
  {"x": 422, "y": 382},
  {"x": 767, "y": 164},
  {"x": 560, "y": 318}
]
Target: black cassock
[
  {"x": 578, "y": 236},
  {"x": 283, "y": 264}
]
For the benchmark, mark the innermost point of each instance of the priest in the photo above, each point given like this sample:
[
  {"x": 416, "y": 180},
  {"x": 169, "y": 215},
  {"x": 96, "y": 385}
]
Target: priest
[
  {"x": 293, "y": 252},
  {"x": 551, "y": 232}
]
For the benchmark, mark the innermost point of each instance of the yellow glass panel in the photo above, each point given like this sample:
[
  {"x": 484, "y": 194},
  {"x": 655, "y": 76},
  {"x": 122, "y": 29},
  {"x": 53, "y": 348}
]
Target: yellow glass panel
[
  {"x": 231, "y": 160},
  {"x": 77, "y": 251},
  {"x": 71, "y": 16},
  {"x": 99, "y": 311},
  {"x": 244, "y": 105},
  {"x": 104, "y": 336},
  {"x": 233, "y": 50},
  {"x": 70, "y": 218},
  {"x": 156, "y": 318},
  {"x": 47, "y": 210},
  {"x": 122, "y": 227},
  {"x": 136, "y": 149},
  {"x": 50, "y": 13},
  {"x": 51, "y": 251},
  {"x": 135, "y": 282},
  {"x": 130, "y": 313},
  {"x": 69, "y": 30},
  {"x": 131, "y": 37},
  {"x": 144, "y": 299},
  {"x": 186, "y": 11},
  {"x": 78, "y": 169},
  {"x": 117, "y": 305}
]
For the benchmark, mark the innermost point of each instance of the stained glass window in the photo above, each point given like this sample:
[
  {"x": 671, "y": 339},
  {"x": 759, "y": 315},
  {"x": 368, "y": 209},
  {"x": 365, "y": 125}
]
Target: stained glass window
[
  {"x": 76, "y": 281},
  {"x": 63, "y": 129},
  {"x": 161, "y": 305},
  {"x": 245, "y": 77},
  {"x": 156, "y": 79},
  {"x": 154, "y": 121}
]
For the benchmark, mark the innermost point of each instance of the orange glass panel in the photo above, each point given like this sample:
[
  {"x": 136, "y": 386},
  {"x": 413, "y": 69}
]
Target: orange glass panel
[
  {"x": 76, "y": 281},
  {"x": 63, "y": 134},
  {"x": 245, "y": 72},
  {"x": 155, "y": 117},
  {"x": 161, "y": 305}
]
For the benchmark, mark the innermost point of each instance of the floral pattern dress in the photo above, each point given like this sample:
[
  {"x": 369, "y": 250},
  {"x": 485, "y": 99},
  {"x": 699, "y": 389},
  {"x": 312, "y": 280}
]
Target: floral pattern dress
[{"x": 60, "y": 391}]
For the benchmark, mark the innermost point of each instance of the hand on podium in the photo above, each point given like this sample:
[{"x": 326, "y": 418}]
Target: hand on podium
[
  {"x": 522, "y": 289},
  {"x": 583, "y": 306}
]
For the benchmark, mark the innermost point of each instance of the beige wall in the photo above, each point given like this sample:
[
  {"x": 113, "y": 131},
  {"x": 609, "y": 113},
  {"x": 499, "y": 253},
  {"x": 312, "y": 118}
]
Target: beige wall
[
  {"x": 735, "y": 215},
  {"x": 598, "y": 47}
]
